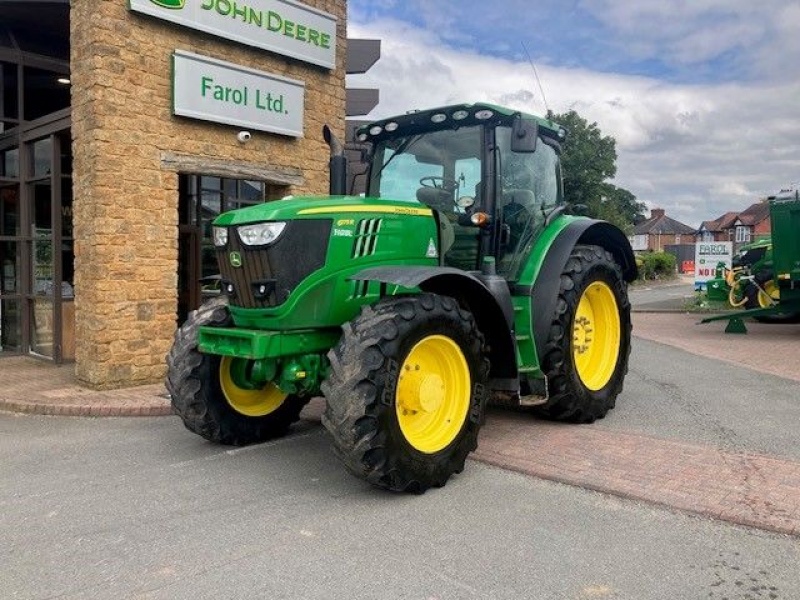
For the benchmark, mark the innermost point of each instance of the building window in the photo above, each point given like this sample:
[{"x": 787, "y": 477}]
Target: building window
[
  {"x": 640, "y": 242},
  {"x": 742, "y": 234},
  {"x": 706, "y": 236},
  {"x": 678, "y": 238}
]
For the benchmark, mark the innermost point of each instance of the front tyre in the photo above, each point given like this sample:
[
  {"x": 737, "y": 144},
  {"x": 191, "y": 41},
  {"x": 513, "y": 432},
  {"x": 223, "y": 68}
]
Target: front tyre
[
  {"x": 586, "y": 356},
  {"x": 205, "y": 394},
  {"x": 406, "y": 392}
]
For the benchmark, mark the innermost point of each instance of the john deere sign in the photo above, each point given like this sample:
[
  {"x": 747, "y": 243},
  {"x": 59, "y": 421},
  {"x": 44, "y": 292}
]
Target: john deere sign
[
  {"x": 281, "y": 26},
  {"x": 213, "y": 90}
]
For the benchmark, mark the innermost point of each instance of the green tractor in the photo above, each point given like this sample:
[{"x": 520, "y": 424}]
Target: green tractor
[{"x": 458, "y": 279}]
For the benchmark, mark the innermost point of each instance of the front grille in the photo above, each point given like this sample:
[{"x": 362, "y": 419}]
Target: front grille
[{"x": 266, "y": 276}]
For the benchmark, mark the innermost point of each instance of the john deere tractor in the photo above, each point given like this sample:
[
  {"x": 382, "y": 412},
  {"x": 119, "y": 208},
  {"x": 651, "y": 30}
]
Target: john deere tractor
[{"x": 456, "y": 280}]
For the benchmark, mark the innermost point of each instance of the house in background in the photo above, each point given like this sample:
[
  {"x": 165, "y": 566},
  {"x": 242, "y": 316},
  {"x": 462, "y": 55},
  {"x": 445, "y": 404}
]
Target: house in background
[
  {"x": 717, "y": 230},
  {"x": 739, "y": 228},
  {"x": 660, "y": 231}
]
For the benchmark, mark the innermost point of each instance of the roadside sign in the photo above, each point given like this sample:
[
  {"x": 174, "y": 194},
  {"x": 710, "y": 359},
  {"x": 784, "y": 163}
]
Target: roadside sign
[{"x": 706, "y": 257}]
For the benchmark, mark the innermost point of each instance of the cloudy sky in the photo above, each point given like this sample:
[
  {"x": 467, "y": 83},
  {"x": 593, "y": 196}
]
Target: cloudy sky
[{"x": 702, "y": 96}]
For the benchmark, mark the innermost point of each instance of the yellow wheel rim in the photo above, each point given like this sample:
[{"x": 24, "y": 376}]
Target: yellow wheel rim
[
  {"x": 596, "y": 336},
  {"x": 769, "y": 294},
  {"x": 433, "y": 393},
  {"x": 252, "y": 403}
]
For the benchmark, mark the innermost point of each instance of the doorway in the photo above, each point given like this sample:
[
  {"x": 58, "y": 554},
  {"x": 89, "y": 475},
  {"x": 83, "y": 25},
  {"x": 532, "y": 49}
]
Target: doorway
[{"x": 36, "y": 245}]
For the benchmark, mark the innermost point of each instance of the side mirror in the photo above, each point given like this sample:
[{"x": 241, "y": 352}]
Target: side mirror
[{"x": 524, "y": 134}]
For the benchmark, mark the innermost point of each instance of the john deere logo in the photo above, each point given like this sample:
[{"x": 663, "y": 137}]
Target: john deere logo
[
  {"x": 176, "y": 4},
  {"x": 236, "y": 259}
]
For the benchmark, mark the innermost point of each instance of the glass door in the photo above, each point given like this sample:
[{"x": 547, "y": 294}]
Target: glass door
[
  {"x": 48, "y": 193},
  {"x": 10, "y": 251}
]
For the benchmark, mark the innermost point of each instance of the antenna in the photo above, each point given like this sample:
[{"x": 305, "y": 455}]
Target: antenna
[{"x": 538, "y": 82}]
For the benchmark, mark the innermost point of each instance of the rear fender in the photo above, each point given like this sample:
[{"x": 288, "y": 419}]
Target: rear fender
[
  {"x": 475, "y": 296},
  {"x": 544, "y": 291}
]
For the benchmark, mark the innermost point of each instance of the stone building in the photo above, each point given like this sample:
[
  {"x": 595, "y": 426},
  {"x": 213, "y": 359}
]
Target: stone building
[{"x": 125, "y": 127}]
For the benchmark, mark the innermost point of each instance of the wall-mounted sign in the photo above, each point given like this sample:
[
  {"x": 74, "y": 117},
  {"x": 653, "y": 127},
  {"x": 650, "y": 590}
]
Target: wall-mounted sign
[
  {"x": 282, "y": 26},
  {"x": 214, "y": 90}
]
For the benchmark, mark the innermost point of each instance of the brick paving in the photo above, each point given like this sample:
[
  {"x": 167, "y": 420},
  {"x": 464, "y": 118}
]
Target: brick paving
[
  {"x": 30, "y": 385},
  {"x": 748, "y": 489},
  {"x": 767, "y": 347}
]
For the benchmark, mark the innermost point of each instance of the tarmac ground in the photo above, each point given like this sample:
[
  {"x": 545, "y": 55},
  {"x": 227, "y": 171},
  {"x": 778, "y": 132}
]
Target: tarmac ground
[{"x": 695, "y": 478}]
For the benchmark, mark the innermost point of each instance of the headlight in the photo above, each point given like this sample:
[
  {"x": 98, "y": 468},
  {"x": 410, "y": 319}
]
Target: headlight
[
  {"x": 220, "y": 236},
  {"x": 260, "y": 234}
]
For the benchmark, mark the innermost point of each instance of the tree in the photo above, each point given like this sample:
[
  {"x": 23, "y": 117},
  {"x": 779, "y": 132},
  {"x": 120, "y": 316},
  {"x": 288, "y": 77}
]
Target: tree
[{"x": 589, "y": 160}]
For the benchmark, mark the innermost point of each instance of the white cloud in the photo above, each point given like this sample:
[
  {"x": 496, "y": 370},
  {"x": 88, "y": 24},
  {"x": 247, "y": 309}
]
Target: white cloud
[{"x": 695, "y": 150}]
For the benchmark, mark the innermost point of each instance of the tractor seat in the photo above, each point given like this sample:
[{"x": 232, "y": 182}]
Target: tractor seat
[{"x": 438, "y": 199}]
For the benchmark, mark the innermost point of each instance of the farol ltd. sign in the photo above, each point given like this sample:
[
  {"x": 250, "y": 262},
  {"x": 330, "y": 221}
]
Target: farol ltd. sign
[
  {"x": 281, "y": 26},
  {"x": 214, "y": 90},
  {"x": 707, "y": 255}
]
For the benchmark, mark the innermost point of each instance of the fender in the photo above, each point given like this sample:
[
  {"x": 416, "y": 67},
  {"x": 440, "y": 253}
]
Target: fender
[
  {"x": 491, "y": 313},
  {"x": 544, "y": 290}
]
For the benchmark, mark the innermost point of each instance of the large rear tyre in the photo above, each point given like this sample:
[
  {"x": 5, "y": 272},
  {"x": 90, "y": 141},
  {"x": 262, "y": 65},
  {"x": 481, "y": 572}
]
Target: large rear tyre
[
  {"x": 586, "y": 355},
  {"x": 205, "y": 394},
  {"x": 406, "y": 393}
]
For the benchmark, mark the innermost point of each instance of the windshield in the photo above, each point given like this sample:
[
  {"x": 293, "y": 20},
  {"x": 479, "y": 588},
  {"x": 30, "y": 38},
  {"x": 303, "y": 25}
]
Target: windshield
[{"x": 438, "y": 168}]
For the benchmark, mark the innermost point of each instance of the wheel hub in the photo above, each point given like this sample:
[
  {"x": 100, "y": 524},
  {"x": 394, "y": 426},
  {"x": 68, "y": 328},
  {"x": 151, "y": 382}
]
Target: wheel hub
[
  {"x": 420, "y": 391},
  {"x": 582, "y": 334}
]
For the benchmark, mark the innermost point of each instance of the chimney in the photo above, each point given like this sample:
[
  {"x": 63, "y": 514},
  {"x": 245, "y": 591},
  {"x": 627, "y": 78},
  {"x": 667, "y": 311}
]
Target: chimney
[{"x": 656, "y": 213}]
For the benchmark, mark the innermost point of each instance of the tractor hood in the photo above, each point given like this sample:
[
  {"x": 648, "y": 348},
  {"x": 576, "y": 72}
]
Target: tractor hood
[{"x": 311, "y": 207}]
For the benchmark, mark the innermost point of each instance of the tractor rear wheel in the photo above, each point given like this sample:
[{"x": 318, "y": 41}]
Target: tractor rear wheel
[
  {"x": 206, "y": 396},
  {"x": 406, "y": 392},
  {"x": 586, "y": 356}
]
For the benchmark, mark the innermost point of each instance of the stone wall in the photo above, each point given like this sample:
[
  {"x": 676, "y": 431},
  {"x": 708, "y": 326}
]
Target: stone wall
[{"x": 125, "y": 173}]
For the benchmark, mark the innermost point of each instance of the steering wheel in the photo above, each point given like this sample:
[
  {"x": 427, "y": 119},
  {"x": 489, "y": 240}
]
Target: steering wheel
[{"x": 439, "y": 183}]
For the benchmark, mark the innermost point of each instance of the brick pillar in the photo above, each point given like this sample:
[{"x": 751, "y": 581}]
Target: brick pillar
[{"x": 125, "y": 209}]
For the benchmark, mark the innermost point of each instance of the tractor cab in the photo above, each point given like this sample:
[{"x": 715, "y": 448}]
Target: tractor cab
[{"x": 492, "y": 175}]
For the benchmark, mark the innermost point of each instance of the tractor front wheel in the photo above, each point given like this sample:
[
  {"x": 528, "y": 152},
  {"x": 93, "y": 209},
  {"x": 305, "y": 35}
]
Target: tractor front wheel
[
  {"x": 586, "y": 356},
  {"x": 406, "y": 392},
  {"x": 207, "y": 398}
]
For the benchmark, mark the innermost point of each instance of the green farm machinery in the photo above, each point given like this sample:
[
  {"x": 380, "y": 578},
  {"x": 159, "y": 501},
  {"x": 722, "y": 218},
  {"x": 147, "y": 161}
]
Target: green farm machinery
[
  {"x": 765, "y": 276},
  {"x": 457, "y": 279}
]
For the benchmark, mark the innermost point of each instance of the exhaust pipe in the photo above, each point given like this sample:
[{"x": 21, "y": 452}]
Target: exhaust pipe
[{"x": 338, "y": 163}]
